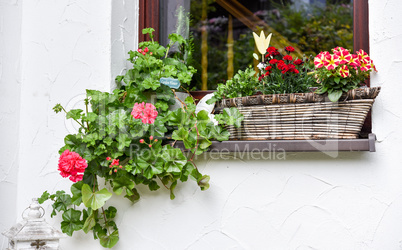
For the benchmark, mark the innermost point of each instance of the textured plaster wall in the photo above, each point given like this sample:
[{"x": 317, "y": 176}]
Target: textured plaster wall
[
  {"x": 268, "y": 201},
  {"x": 10, "y": 87}
]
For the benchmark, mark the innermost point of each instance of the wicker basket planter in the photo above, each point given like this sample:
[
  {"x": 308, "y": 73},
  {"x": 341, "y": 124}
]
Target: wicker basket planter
[{"x": 301, "y": 115}]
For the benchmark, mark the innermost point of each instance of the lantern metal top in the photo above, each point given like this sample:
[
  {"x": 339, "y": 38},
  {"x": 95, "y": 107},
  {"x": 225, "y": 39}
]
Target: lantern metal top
[{"x": 33, "y": 226}]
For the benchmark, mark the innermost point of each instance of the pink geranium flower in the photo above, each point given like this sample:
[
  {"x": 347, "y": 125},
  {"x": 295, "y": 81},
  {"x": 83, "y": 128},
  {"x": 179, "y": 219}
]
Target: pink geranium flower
[
  {"x": 137, "y": 110},
  {"x": 146, "y": 112},
  {"x": 149, "y": 114},
  {"x": 72, "y": 165}
]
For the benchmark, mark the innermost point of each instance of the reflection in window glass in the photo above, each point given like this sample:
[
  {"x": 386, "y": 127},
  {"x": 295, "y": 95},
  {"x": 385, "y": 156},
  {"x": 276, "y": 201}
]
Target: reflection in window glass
[{"x": 221, "y": 30}]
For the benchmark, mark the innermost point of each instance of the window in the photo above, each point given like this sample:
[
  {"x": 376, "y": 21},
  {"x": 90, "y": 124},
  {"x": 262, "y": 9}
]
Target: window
[{"x": 153, "y": 13}]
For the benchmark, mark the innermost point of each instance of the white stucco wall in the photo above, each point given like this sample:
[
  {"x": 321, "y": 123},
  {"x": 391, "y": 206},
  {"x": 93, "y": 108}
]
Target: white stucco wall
[
  {"x": 51, "y": 51},
  {"x": 10, "y": 89}
]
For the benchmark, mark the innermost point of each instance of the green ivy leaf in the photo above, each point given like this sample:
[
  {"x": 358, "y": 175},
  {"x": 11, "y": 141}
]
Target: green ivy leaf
[
  {"x": 94, "y": 200},
  {"x": 108, "y": 141},
  {"x": 219, "y": 133},
  {"x": 71, "y": 221},
  {"x": 187, "y": 169},
  {"x": 191, "y": 139},
  {"x": 204, "y": 144},
  {"x": 180, "y": 134},
  {"x": 100, "y": 149},
  {"x": 150, "y": 83},
  {"x": 153, "y": 185},
  {"x": 230, "y": 116},
  {"x": 132, "y": 195},
  {"x": 172, "y": 187}
]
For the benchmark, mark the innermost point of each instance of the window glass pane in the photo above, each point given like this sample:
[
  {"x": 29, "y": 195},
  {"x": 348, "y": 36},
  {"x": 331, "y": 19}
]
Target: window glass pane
[{"x": 222, "y": 30}]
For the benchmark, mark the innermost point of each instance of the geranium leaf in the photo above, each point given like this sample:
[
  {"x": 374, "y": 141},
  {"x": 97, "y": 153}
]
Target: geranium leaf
[
  {"x": 175, "y": 160},
  {"x": 71, "y": 221},
  {"x": 76, "y": 191},
  {"x": 109, "y": 241},
  {"x": 74, "y": 114},
  {"x": 44, "y": 197},
  {"x": 94, "y": 200},
  {"x": 154, "y": 169},
  {"x": 90, "y": 222},
  {"x": 203, "y": 182},
  {"x": 122, "y": 182},
  {"x": 203, "y": 115},
  {"x": 62, "y": 201}
]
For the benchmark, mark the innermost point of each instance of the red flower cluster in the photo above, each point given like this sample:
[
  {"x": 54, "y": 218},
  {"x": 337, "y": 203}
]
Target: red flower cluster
[
  {"x": 146, "y": 112},
  {"x": 289, "y": 49},
  {"x": 144, "y": 52},
  {"x": 151, "y": 141},
  {"x": 115, "y": 164},
  {"x": 284, "y": 65},
  {"x": 72, "y": 165},
  {"x": 272, "y": 51}
]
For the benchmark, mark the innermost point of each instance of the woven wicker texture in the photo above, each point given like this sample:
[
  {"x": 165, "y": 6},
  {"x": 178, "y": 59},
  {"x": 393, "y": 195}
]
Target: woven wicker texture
[{"x": 301, "y": 116}]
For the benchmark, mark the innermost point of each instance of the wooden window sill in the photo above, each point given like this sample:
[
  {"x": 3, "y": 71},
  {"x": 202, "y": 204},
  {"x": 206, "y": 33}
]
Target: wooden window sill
[{"x": 351, "y": 145}]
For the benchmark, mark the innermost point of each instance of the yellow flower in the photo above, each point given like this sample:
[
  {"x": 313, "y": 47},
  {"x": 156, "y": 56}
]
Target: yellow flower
[{"x": 262, "y": 42}]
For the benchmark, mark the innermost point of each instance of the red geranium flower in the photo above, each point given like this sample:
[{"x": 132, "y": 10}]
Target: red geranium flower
[{"x": 72, "y": 165}]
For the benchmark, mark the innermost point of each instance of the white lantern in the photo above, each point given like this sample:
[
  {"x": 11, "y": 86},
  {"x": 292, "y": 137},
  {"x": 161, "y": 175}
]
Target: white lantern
[{"x": 33, "y": 232}]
